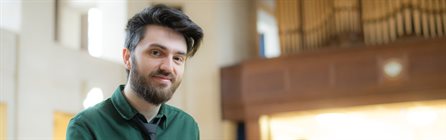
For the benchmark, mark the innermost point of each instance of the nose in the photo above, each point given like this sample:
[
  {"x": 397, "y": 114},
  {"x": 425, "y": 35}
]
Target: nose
[{"x": 167, "y": 65}]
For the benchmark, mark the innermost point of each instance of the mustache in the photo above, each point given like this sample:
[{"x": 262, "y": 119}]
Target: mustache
[{"x": 163, "y": 73}]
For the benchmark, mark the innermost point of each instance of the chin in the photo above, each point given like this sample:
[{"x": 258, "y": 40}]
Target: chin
[{"x": 161, "y": 87}]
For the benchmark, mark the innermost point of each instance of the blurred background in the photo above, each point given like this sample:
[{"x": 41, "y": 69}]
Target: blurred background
[{"x": 267, "y": 69}]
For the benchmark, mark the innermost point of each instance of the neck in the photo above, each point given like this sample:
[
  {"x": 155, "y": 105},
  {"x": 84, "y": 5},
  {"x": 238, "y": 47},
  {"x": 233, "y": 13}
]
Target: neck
[{"x": 148, "y": 110}]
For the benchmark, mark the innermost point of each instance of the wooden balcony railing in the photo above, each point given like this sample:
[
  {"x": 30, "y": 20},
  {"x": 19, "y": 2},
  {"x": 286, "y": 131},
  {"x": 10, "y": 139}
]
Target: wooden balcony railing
[{"x": 333, "y": 78}]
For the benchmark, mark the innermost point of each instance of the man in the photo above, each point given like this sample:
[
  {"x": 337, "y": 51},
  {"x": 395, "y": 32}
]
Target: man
[{"x": 159, "y": 40}]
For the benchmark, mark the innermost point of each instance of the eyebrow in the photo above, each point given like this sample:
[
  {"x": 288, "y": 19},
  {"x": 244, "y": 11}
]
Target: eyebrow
[{"x": 165, "y": 48}]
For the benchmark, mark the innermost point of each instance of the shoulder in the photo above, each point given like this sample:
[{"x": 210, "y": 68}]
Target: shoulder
[
  {"x": 92, "y": 113},
  {"x": 177, "y": 114},
  {"x": 181, "y": 121},
  {"x": 85, "y": 123}
]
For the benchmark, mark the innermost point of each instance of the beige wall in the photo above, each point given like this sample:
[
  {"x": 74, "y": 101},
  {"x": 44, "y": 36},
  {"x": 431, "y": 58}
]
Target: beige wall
[
  {"x": 8, "y": 76},
  {"x": 51, "y": 76},
  {"x": 226, "y": 42}
]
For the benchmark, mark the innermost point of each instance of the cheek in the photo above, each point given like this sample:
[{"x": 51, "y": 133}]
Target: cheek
[
  {"x": 180, "y": 71},
  {"x": 144, "y": 69},
  {"x": 147, "y": 65}
]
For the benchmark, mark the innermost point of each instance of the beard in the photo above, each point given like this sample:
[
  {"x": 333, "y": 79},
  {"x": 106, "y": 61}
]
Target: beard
[{"x": 149, "y": 91}]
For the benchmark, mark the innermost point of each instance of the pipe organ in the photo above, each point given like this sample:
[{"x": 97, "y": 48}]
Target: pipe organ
[{"x": 312, "y": 24}]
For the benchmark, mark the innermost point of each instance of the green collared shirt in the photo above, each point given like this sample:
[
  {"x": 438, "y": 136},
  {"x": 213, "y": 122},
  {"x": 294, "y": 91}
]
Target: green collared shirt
[{"x": 112, "y": 119}]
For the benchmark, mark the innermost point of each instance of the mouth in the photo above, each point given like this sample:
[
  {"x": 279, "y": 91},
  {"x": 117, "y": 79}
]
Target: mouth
[{"x": 163, "y": 79}]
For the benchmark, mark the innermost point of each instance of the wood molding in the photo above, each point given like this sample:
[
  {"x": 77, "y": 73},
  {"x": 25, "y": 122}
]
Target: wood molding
[{"x": 334, "y": 78}]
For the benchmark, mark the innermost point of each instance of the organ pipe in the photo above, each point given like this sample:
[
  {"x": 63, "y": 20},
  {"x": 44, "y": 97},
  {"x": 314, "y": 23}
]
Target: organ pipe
[{"x": 311, "y": 24}]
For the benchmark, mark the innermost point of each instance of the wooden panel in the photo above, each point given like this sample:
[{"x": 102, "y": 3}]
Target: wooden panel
[
  {"x": 265, "y": 82},
  {"x": 3, "y": 121},
  {"x": 309, "y": 76},
  {"x": 357, "y": 72},
  {"x": 61, "y": 121},
  {"x": 231, "y": 93},
  {"x": 428, "y": 64},
  {"x": 253, "y": 129},
  {"x": 336, "y": 78}
]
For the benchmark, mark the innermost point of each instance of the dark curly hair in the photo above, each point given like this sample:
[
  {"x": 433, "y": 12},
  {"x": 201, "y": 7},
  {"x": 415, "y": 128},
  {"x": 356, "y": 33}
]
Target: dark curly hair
[{"x": 164, "y": 16}]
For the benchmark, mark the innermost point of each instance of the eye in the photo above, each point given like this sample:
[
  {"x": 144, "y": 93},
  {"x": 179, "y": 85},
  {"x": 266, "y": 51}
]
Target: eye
[
  {"x": 178, "y": 59},
  {"x": 155, "y": 52}
]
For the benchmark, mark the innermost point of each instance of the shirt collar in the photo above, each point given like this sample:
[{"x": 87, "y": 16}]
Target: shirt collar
[
  {"x": 128, "y": 112},
  {"x": 162, "y": 115}
]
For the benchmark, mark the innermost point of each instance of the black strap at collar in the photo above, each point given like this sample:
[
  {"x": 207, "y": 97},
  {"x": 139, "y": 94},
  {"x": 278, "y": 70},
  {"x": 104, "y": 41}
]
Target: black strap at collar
[{"x": 148, "y": 129}]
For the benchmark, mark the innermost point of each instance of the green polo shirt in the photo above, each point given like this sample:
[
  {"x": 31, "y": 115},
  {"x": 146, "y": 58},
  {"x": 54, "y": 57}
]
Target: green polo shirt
[{"x": 112, "y": 120}]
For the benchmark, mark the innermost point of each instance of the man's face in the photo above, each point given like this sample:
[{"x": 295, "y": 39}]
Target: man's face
[{"x": 157, "y": 64}]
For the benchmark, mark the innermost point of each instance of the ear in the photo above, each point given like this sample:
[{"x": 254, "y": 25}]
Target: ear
[{"x": 126, "y": 58}]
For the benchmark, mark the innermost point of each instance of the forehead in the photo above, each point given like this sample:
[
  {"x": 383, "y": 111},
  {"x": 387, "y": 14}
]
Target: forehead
[{"x": 163, "y": 36}]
